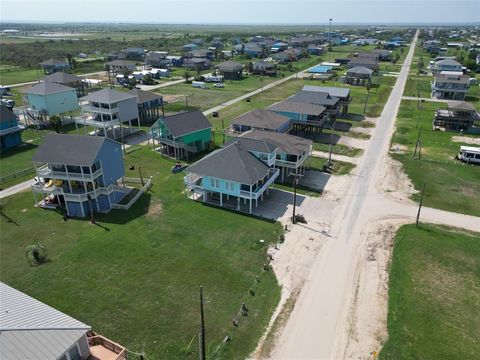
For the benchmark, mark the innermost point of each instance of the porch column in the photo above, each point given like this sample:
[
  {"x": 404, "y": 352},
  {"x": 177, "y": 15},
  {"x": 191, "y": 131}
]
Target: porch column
[
  {"x": 238, "y": 203},
  {"x": 250, "y": 205},
  {"x": 221, "y": 199},
  {"x": 256, "y": 202},
  {"x": 68, "y": 181}
]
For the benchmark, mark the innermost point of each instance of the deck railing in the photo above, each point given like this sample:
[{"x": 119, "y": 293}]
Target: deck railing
[
  {"x": 135, "y": 198},
  {"x": 97, "y": 340}
]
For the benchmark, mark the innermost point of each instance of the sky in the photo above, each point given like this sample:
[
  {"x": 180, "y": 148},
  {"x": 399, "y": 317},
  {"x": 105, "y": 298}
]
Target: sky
[{"x": 244, "y": 11}]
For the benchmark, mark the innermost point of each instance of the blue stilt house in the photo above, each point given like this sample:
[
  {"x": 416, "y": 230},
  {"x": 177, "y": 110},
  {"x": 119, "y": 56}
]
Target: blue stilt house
[{"x": 10, "y": 129}]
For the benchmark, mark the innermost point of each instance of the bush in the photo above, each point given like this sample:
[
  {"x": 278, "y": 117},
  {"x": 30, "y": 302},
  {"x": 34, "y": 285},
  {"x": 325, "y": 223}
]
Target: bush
[{"x": 36, "y": 254}]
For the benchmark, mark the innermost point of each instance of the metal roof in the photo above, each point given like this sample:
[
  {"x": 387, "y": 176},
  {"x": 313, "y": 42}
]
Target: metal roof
[
  {"x": 253, "y": 144},
  {"x": 264, "y": 119},
  {"x": 231, "y": 163},
  {"x": 47, "y": 88},
  {"x": 331, "y": 90},
  {"x": 186, "y": 123},
  {"x": 298, "y": 108},
  {"x": 230, "y": 66},
  {"x": 107, "y": 96},
  {"x": 30, "y": 329},
  {"x": 286, "y": 143},
  {"x": 360, "y": 70},
  {"x": 69, "y": 149}
]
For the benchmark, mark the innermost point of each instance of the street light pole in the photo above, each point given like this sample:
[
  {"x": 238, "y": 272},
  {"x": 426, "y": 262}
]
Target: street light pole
[
  {"x": 329, "y": 163},
  {"x": 330, "y": 40},
  {"x": 295, "y": 181}
]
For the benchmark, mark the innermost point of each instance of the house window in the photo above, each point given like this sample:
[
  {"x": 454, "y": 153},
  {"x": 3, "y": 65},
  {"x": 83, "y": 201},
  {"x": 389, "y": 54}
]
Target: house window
[
  {"x": 217, "y": 183},
  {"x": 74, "y": 353},
  {"x": 212, "y": 183}
]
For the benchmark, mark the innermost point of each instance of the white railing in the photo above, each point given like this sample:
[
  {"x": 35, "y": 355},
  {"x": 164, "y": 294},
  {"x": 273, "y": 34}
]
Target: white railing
[
  {"x": 99, "y": 110},
  {"x": 292, "y": 164},
  {"x": 177, "y": 144},
  {"x": 258, "y": 192},
  {"x": 135, "y": 198},
  {"x": 77, "y": 197},
  {"x": 46, "y": 172}
]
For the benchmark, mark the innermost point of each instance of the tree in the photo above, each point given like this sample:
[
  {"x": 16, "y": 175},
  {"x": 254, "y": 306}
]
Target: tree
[
  {"x": 187, "y": 76},
  {"x": 148, "y": 80},
  {"x": 55, "y": 123}
]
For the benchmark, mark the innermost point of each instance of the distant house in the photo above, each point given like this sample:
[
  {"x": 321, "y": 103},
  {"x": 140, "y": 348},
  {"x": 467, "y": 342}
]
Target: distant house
[
  {"x": 364, "y": 41},
  {"x": 79, "y": 173},
  {"x": 459, "y": 115},
  {"x": 291, "y": 153},
  {"x": 341, "y": 93},
  {"x": 174, "y": 60},
  {"x": 264, "y": 68},
  {"x": 432, "y": 46},
  {"x": 150, "y": 105},
  {"x": 201, "y": 54},
  {"x": 53, "y": 65},
  {"x": 358, "y": 75},
  {"x": 370, "y": 62},
  {"x": 253, "y": 50},
  {"x": 330, "y": 103},
  {"x": 279, "y": 46},
  {"x": 120, "y": 66},
  {"x": 383, "y": 55},
  {"x": 198, "y": 41},
  {"x": 197, "y": 63},
  {"x": 50, "y": 99},
  {"x": 282, "y": 57},
  {"x": 10, "y": 129},
  {"x": 34, "y": 330},
  {"x": 189, "y": 47},
  {"x": 450, "y": 85},
  {"x": 156, "y": 59},
  {"x": 109, "y": 110},
  {"x": 134, "y": 53},
  {"x": 446, "y": 65},
  {"x": 231, "y": 70},
  {"x": 232, "y": 176},
  {"x": 182, "y": 135},
  {"x": 314, "y": 49},
  {"x": 259, "y": 120},
  {"x": 67, "y": 79}
]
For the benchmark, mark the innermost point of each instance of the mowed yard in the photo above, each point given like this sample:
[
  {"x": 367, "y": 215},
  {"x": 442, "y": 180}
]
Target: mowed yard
[
  {"x": 135, "y": 276},
  {"x": 434, "y": 295},
  {"x": 450, "y": 184}
]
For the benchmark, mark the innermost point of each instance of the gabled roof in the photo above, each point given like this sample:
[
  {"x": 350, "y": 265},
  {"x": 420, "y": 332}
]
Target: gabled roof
[
  {"x": 47, "y": 88},
  {"x": 144, "y": 96},
  {"x": 286, "y": 143},
  {"x": 460, "y": 105},
  {"x": 298, "y": 108},
  {"x": 53, "y": 62},
  {"x": 69, "y": 149},
  {"x": 186, "y": 123},
  {"x": 331, "y": 90},
  {"x": 31, "y": 329},
  {"x": 253, "y": 144},
  {"x": 448, "y": 62},
  {"x": 231, "y": 163},
  {"x": 364, "y": 60},
  {"x": 263, "y": 63},
  {"x": 120, "y": 63},
  {"x": 107, "y": 96},
  {"x": 6, "y": 114},
  {"x": 62, "y": 78},
  {"x": 263, "y": 119},
  {"x": 360, "y": 70},
  {"x": 314, "y": 97}
]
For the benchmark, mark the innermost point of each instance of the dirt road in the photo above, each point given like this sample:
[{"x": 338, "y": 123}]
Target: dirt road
[{"x": 337, "y": 314}]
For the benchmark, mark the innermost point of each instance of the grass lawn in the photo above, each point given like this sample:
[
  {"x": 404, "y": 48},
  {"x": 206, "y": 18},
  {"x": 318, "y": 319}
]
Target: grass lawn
[
  {"x": 338, "y": 149},
  {"x": 135, "y": 277},
  {"x": 337, "y": 168},
  {"x": 434, "y": 295},
  {"x": 450, "y": 184},
  {"x": 418, "y": 85}
]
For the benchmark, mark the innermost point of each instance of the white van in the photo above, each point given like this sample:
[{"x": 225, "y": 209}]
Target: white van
[
  {"x": 469, "y": 154},
  {"x": 199, "y": 84}
]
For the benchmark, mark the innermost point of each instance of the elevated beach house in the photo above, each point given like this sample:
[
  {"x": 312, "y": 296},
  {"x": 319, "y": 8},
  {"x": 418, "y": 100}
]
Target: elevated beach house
[
  {"x": 341, "y": 93},
  {"x": 182, "y": 135},
  {"x": 450, "y": 85},
  {"x": 48, "y": 98},
  {"x": 304, "y": 117},
  {"x": 459, "y": 115},
  {"x": 231, "y": 70},
  {"x": 31, "y": 329},
  {"x": 150, "y": 105},
  {"x": 10, "y": 129},
  {"x": 79, "y": 174},
  {"x": 330, "y": 103},
  {"x": 108, "y": 111},
  {"x": 291, "y": 151},
  {"x": 67, "y": 79},
  {"x": 259, "y": 120},
  {"x": 233, "y": 176},
  {"x": 53, "y": 65},
  {"x": 358, "y": 75}
]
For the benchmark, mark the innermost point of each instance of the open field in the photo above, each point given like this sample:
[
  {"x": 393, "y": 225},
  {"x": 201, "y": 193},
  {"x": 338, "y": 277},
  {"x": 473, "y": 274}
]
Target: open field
[
  {"x": 450, "y": 184},
  {"x": 135, "y": 276},
  {"x": 434, "y": 296}
]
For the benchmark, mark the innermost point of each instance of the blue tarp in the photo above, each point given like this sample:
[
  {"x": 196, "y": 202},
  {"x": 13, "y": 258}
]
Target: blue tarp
[{"x": 320, "y": 69}]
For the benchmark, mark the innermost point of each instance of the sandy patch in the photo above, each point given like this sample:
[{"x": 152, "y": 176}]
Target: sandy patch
[
  {"x": 363, "y": 130},
  {"x": 398, "y": 149},
  {"x": 394, "y": 183},
  {"x": 466, "y": 140},
  {"x": 155, "y": 209},
  {"x": 172, "y": 98},
  {"x": 353, "y": 142},
  {"x": 368, "y": 311}
]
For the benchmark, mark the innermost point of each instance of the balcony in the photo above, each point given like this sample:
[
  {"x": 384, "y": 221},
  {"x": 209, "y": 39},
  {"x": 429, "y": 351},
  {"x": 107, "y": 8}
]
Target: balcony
[
  {"x": 257, "y": 192},
  {"x": 99, "y": 110},
  {"x": 46, "y": 172},
  {"x": 103, "y": 349}
]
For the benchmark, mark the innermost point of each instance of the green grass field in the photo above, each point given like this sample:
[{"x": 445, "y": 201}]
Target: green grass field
[
  {"x": 135, "y": 277},
  {"x": 434, "y": 295},
  {"x": 450, "y": 184}
]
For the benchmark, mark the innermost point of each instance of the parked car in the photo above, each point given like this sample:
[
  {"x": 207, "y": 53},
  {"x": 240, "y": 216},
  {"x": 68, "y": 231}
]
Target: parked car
[{"x": 218, "y": 85}]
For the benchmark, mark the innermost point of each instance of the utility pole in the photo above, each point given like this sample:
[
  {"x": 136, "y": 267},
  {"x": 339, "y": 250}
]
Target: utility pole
[
  {"x": 420, "y": 205},
  {"x": 202, "y": 327},
  {"x": 330, "y": 40},
  {"x": 186, "y": 102},
  {"x": 417, "y": 142},
  {"x": 223, "y": 131},
  {"x": 329, "y": 163},
  {"x": 420, "y": 112},
  {"x": 295, "y": 181}
]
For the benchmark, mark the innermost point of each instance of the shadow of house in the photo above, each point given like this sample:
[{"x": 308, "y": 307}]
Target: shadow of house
[
  {"x": 139, "y": 209},
  {"x": 277, "y": 204},
  {"x": 342, "y": 126}
]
